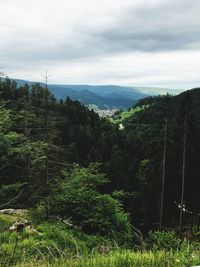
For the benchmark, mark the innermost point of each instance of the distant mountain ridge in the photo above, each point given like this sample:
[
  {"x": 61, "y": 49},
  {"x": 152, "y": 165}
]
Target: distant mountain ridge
[{"x": 103, "y": 96}]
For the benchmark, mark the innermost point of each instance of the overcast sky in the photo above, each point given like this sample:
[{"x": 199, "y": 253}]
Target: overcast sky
[{"x": 124, "y": 42}]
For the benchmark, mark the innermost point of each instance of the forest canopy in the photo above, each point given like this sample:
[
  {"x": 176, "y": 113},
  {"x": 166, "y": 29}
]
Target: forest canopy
[{"x": 50, "y": 150}]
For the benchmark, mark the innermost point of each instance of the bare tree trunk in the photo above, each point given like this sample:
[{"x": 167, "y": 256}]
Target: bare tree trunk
[
  {"x": 46, "y": 128},
  {"x": 26, "y": 133},
  {"x": 46, "y": 122},
  {"x": 183, "y": 174},
  {"x": 163, "y": 175}
]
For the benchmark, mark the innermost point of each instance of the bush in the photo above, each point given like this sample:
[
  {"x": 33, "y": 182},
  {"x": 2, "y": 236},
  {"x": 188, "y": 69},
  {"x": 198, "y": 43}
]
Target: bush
[
  {"x": 78, "y": 198},
  {"x": 160, "y": 240}
]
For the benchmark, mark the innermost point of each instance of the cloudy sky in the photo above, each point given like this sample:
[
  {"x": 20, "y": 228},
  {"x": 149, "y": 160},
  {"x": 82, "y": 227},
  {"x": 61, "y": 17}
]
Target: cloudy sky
[{"x": 124, "y": 42}]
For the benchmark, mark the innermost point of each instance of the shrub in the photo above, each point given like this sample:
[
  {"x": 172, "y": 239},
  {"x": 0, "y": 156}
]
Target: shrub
[
  {"x": 160, "y": 240},
  {"x": 78, "y": 197}
]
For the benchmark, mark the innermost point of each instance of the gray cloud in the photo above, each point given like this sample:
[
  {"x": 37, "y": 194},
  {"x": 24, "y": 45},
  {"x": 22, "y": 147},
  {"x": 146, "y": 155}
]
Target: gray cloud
[
  {"x": 96, "y": 36},
  {"x": 168, "y": 26}
]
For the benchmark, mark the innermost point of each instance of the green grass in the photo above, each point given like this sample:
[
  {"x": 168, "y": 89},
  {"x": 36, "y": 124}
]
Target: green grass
[
  {"x": 51, "y": 240},
  {"x": 124, "y": 259},
  {"x": 7, "y": 220},
  {"x": 54, "y": 244},
  {"x": 117, "y": 119}
]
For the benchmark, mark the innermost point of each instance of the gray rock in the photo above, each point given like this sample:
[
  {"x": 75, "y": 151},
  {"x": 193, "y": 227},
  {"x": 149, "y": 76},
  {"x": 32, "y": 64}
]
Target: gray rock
[
  {"x": 19, "y": 226},
  {"x": 19, "y": 212}
]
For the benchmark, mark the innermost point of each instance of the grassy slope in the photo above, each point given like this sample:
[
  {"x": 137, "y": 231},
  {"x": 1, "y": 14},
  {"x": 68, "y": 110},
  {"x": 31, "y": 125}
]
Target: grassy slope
[
  {"x": 117, "y": 119},
  {"x": 57, "y": 245},
  {"x": 51, "y": 240}
]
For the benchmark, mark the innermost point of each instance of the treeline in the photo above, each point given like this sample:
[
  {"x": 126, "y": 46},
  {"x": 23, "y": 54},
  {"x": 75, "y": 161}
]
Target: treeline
[
  {"x": 168, "y": 134},
  {"x": 46, "y": 147}
]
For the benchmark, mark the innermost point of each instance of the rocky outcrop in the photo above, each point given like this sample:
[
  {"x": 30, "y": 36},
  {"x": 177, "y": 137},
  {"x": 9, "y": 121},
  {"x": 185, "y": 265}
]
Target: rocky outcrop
[
  {"x": 19, "y": 226},
  {"x": 21, "y": 223},
  {"x": 18, "y": 212}
]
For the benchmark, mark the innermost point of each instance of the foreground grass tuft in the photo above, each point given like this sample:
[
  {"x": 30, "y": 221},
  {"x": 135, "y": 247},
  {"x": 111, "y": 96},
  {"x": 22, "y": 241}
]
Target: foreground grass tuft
[
  {"x": 56, "y": 245},
  {"x": 125, "y": 259}
]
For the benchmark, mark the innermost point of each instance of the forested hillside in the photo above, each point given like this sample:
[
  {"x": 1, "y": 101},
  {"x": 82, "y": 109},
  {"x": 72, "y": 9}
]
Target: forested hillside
[
  {"x": 61, "y": 160},
  {"x": 41, "y": 137},
  {"x": 167, "y": 133},
  {"x": 103, "y": 96}
]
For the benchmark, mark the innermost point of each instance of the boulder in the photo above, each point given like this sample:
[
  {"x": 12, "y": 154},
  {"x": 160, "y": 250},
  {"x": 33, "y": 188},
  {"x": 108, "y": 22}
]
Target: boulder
[{"x": 19, "y": 226}]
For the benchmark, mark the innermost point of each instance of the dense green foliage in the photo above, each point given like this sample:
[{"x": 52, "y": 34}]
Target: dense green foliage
[
  {"x": 88, "y": 184},
  {"x": 41, "y": 139},
  {"x": 76, "y": 196},
  {"x": 146, "y": 129}
]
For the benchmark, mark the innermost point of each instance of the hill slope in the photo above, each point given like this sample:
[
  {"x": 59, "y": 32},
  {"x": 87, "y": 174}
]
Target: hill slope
[{"x": 103, "y": 96}]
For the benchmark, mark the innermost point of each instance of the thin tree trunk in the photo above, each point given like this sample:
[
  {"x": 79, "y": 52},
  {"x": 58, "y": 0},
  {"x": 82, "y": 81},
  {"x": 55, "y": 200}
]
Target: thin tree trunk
[
  {"x": 46, "y": 121},
  {"x": 26, "y": 135},
  {"x": 183, "y": 175},
  {"x": 163, "y": 174}
]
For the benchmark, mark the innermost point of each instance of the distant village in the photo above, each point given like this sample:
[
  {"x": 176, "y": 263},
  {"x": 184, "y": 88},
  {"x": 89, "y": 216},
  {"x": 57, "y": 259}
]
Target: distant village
[{"x": 103, "y": 113}]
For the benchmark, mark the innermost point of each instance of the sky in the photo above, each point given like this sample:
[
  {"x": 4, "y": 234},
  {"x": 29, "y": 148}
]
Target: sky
[{"x": 122, "y": 42}]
